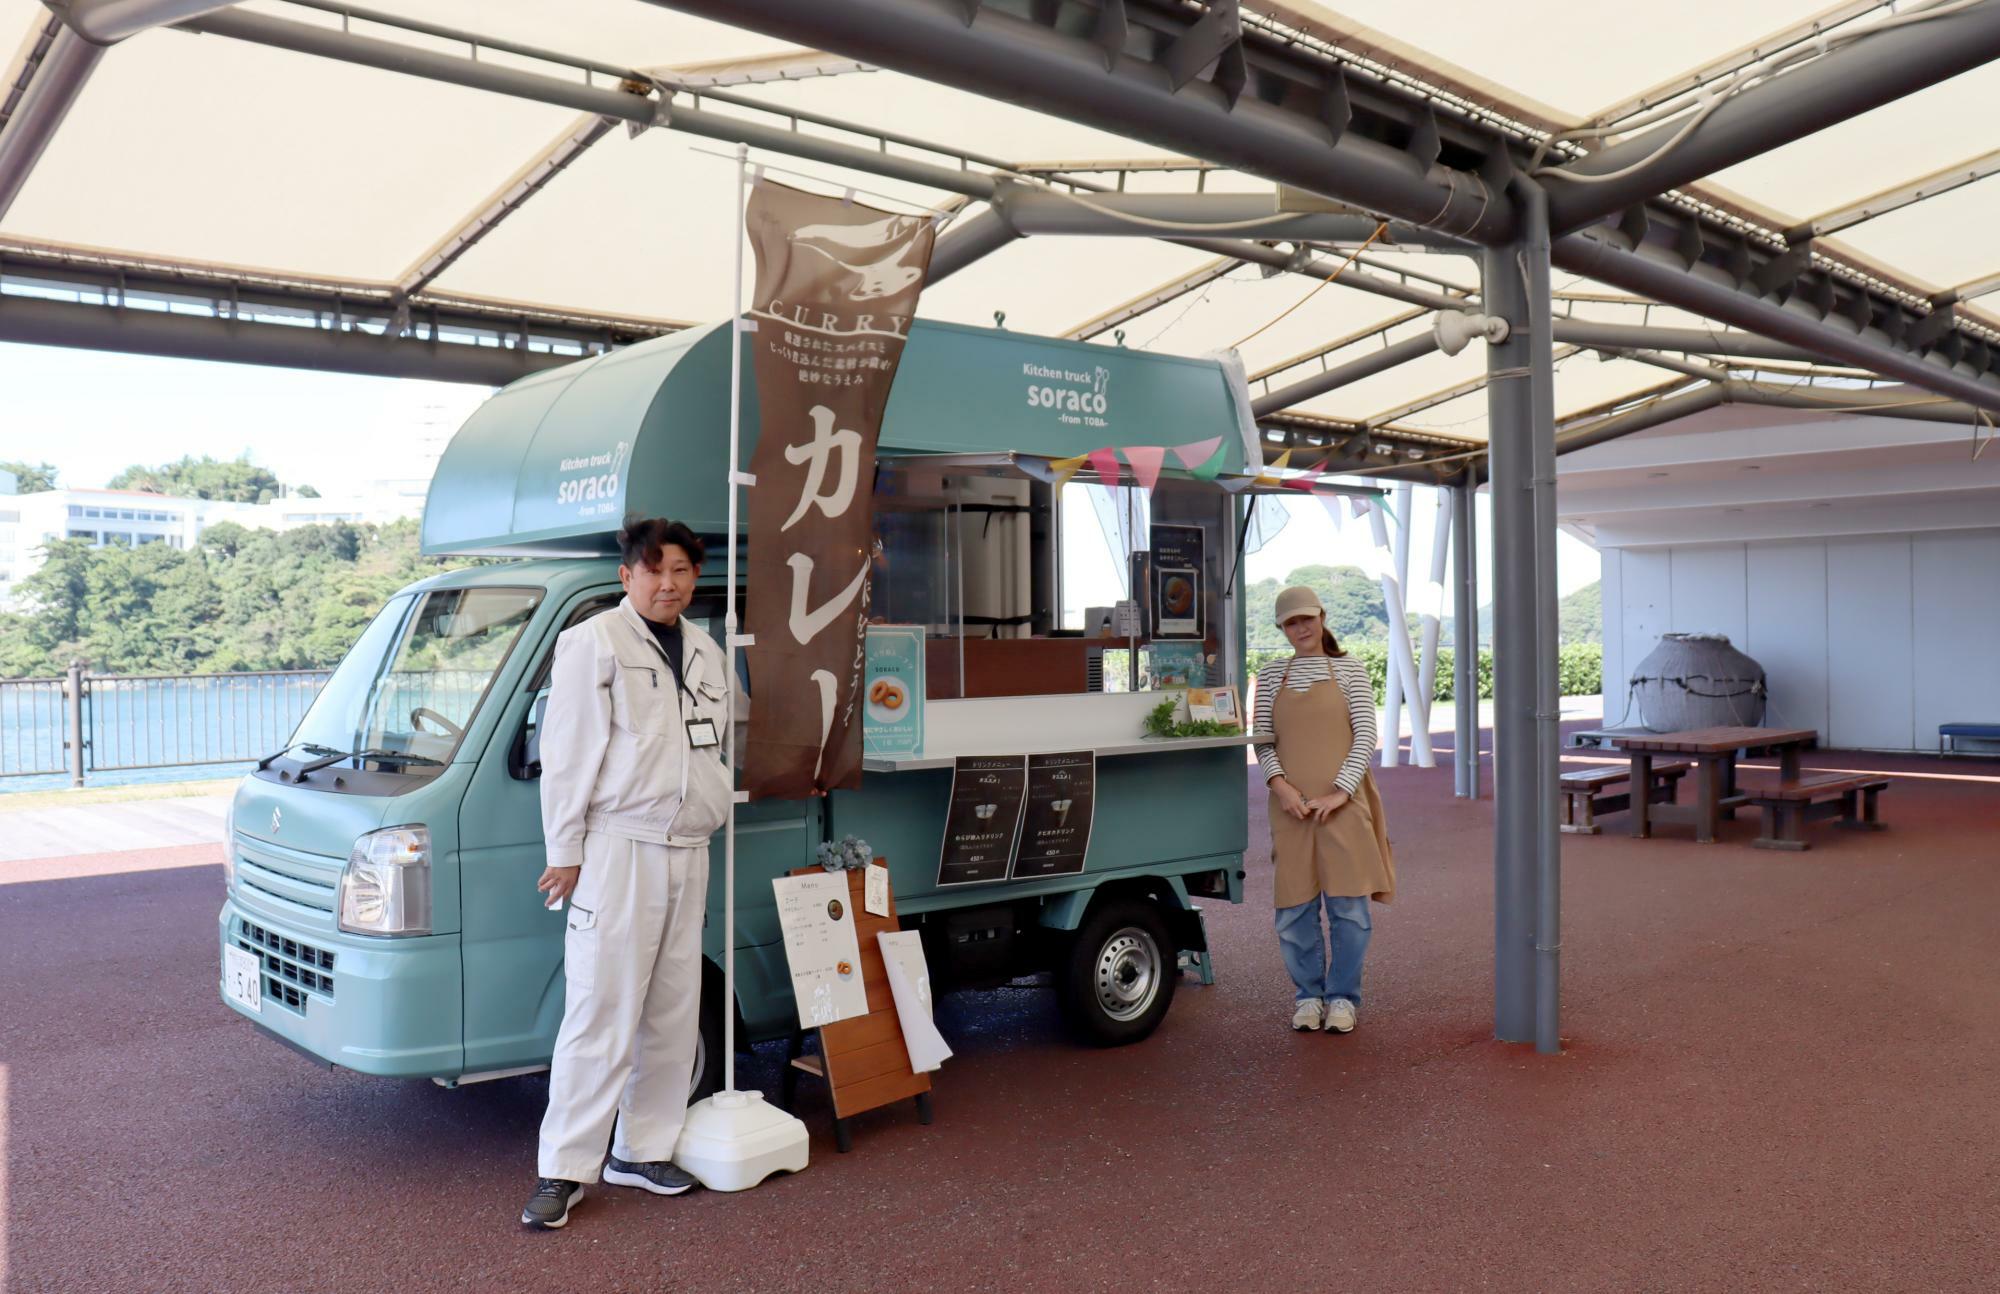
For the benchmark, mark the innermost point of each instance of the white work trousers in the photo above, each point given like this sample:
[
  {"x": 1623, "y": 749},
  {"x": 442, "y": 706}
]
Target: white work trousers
[{"x": 632, "y": 1008}]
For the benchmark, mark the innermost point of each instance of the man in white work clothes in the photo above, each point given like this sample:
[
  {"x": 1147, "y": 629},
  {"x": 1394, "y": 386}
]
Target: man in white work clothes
[{"x": 633, "y": 785}]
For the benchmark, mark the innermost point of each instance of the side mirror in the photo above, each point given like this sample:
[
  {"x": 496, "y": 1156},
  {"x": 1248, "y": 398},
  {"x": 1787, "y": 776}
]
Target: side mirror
[{"x": 527, "y": 761}]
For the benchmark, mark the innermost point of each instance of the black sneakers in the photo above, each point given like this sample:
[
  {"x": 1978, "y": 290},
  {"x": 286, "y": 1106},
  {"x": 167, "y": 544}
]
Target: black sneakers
[
  {"x": 659, "y": 1177},
  {"x": 548, "y": 1208}
]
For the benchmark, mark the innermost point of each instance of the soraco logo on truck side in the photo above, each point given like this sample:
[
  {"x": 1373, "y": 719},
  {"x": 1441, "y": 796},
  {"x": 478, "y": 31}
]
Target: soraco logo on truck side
[
  {"x": 1079, "y": 401},
  {"x": 597, "y": 489}
]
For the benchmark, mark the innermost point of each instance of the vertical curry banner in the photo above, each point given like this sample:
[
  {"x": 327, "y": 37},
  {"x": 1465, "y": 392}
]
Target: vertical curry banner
[{"x": 837, "y": 286}]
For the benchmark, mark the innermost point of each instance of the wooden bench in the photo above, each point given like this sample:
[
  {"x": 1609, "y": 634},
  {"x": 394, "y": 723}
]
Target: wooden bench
[
  {"x": 1789, "y": 805},
  {"x": 1589, "y": 792}
]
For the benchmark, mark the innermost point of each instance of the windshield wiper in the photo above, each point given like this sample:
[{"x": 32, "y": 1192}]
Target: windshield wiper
[
  {"x": 314, "y": 747},
  {"x": 333, "y": 757}
]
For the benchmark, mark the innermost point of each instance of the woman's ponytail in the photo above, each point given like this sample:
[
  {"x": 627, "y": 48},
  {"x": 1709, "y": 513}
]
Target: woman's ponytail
[{"x": 1327, "y": 641}]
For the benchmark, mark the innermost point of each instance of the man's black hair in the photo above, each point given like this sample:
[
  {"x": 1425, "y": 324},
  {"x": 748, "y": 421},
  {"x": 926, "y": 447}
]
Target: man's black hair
[{"x": 642, "y": 540}]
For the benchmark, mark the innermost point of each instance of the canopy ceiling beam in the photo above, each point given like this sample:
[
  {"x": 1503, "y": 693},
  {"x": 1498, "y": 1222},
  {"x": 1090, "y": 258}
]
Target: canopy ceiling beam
[
  {"x": 1319, "y": 353},
  {"x": 1172, "y": 290},
  {"x": 525, "y": 183},
  {"x": 1908, "y": 54},
  {"x": 1718, "y": 69},
  {"x": 1895, "y": 198},
  {"x": 40, "y": 322},
  {"x": 1255, "y": 104},
  {"x": 143, "y": 301},
  {"x": 1584, "y": 431},
  {"x": 1380, "y": 361},
  {"x": 55, "y": 74},
  {"x": 1818, "y": 315}
]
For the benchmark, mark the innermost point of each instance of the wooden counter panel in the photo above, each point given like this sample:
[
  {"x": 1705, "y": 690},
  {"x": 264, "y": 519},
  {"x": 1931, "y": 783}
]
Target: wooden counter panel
[{"x": 1007, "y": 667}]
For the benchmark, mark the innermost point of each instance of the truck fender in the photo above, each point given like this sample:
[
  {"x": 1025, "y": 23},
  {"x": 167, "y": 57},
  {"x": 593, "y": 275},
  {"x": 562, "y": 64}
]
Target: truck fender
[{"x": 1067, "y": 911}]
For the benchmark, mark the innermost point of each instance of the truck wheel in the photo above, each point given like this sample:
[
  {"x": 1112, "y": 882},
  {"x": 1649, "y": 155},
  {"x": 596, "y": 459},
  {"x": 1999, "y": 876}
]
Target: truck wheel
[
  {"x": 708, "y": 1038},
  {"x": 1118, "y": 978}
]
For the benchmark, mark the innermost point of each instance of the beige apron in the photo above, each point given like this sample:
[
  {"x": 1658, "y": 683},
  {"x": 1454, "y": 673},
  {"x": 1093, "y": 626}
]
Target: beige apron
[{"x": 1348, "y": 854}]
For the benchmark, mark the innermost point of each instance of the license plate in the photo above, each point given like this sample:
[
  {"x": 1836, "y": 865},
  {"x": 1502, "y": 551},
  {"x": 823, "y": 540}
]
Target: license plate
[{"x": 243, "y": 978}]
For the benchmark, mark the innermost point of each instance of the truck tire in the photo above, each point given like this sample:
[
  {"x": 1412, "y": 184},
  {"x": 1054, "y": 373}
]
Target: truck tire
[
  {"x": 1119, "y": 974},
  {"x": 708, "y": 1038}
]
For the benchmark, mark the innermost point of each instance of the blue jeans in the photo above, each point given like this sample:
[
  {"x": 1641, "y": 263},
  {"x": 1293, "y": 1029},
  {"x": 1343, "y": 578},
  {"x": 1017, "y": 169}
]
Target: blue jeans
[{"x": 1305, "y": 951}]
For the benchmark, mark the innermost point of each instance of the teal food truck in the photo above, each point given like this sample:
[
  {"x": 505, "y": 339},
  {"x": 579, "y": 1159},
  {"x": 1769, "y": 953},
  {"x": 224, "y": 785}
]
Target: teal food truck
[{"x": 381, "y": 912}]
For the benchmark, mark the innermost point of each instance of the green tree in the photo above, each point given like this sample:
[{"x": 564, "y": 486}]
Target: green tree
[
  {"x": 31, "y": 478},
  {"x": 235, "y": 480},
  {"x": 240, "y": 599},
  {"x": 306, "y": 492}
]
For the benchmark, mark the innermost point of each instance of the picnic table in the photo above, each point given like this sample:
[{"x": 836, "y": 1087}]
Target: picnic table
[{"x": 1713, "y": 752}]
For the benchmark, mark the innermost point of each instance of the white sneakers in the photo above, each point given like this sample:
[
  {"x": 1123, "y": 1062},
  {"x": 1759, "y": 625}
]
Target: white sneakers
[
  {"x": 1339, "y": 1016},
  {"x": 1309, "y": 1015}
]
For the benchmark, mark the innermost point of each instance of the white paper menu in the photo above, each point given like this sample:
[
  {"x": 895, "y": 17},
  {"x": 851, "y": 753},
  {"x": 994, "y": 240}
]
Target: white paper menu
[
  {"x": 910, "y": 984},
  {"x": 824, "y": 954}
]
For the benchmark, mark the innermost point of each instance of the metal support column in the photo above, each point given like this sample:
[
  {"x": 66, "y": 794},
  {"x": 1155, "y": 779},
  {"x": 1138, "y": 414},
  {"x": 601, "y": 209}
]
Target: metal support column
[
  {"x": 1465, "y": 642},
  {"x": 1547, "y": 624},
  {"x": 73, "y": 695},
  {"x": 1510, "y": 432}
]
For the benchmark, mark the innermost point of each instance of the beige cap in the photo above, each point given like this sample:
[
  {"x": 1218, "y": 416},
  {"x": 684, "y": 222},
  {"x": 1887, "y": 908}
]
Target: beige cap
[{"x": 1297, "y": 600}]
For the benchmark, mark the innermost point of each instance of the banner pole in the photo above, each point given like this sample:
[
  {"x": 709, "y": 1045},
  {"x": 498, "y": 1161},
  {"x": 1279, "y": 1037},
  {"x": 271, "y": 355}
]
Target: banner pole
[{"x": 729, "y": 630}]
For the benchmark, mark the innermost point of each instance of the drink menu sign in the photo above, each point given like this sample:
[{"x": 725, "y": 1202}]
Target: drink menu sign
[
  {"x": 1055, "y": 825},
  {"x": 984, "y": 818}
]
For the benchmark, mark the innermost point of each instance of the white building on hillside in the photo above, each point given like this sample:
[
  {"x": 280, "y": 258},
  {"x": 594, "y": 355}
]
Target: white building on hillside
[{"x": 1856, "y": 558}]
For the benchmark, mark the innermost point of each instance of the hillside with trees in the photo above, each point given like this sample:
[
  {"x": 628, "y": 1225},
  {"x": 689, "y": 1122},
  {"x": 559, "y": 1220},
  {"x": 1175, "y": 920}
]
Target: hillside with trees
[
  {"x": 235, "y": 480},
  {"x": 240, "y": 599}
]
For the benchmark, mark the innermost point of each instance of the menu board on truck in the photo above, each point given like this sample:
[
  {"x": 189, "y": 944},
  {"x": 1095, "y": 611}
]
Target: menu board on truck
[
  {"x": 1177, "y": 577},
  {"x": 1055, "y": 826},
  {"x": 983, "y": 819}
]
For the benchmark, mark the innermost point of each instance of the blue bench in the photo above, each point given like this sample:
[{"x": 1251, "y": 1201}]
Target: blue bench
[{"x": 1950, "y": 733}]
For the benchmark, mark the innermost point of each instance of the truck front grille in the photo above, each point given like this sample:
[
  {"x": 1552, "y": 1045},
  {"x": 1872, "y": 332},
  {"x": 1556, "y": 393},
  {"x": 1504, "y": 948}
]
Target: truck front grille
[{"x": 291, "y": 968}]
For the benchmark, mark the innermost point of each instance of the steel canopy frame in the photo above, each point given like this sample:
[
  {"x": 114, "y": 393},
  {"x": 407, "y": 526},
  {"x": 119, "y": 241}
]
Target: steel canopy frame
[
  {"x": 1875, "y": 69},
  {"x": 1139, "y": 75}
]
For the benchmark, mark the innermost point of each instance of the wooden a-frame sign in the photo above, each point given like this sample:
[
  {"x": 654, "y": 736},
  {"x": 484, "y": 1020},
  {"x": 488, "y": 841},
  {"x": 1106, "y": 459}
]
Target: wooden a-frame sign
[{"x": 863, "y": 1059}]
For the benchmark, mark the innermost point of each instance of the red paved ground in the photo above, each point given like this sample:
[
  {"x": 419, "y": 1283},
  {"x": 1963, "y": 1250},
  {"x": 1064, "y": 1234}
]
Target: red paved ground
[{"x": 1782, "y": 1074}]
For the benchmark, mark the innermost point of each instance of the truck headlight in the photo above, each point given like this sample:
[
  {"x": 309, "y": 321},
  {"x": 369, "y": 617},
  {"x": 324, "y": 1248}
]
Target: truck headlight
[
  {"x": 386, "y": 886},
  {"x": 229, "y": 847}
]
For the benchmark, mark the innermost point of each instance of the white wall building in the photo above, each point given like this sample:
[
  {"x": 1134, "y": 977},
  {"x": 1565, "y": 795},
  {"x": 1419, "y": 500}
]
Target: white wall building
[{"x": 1857, "y": 559}]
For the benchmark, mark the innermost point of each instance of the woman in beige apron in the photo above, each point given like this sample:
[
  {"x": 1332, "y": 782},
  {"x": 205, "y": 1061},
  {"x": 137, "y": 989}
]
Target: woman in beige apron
[{"x": 1329, "y": 845}]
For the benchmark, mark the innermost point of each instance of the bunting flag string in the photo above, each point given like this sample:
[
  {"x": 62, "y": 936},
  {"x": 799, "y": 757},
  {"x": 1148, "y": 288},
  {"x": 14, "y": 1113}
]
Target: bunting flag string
[
  {"x": 1197, "y": 452},
  {"x": 1105, "y": 463},
  {"x": 1146, "y": 461}
]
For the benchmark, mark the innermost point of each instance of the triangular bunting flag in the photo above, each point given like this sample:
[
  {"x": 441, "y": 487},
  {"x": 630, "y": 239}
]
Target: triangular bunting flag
[
  {"x": 1210, "y": 466},
  {"x": 1268, "y": 476},
  {"x": 1197, "y": 451},
  {"x": 1066, "y": 468},
  {"x": 1311, "y": 477},
  {"x": 1146, "y": 461},
  {"x": 1332, "y": 505},
  {"x": 1105, "y": 463},
  {"x": 1235, "y": 484}
]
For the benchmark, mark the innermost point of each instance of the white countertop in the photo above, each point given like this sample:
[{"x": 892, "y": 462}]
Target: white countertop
[{"x": 1137, "y": 746}]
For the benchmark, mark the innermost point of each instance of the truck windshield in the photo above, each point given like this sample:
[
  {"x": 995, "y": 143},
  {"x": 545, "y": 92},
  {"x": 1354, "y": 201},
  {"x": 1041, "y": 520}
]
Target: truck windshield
[{"x": 416, "y": 676}]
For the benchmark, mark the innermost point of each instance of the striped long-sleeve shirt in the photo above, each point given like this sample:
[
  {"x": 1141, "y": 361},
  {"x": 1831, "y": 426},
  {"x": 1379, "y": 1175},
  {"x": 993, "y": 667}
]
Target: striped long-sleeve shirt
[{"x": 1352, "y": 676}]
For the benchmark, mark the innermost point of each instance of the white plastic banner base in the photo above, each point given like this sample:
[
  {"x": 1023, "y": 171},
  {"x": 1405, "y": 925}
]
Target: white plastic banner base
[{"x": 734, "y": 1140}]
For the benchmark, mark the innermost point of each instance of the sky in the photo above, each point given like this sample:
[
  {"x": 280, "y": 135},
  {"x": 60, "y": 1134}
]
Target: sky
[{"x": 94, "y": 413}]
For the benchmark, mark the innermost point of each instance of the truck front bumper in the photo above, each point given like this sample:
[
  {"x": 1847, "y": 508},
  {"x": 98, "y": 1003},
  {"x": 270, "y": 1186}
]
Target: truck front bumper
[{"x": 378, "y": 1006}]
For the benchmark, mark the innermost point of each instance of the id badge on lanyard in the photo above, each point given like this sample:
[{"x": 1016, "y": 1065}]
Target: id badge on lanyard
[{"x": 702, "y": 734}]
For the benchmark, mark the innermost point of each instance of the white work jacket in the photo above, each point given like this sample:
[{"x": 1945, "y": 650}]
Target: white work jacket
[{"x": 616, "y": 752}]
